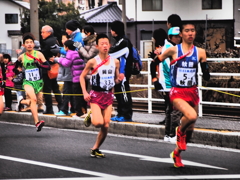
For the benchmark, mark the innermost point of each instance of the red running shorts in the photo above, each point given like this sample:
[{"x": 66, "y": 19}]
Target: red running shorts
[
  {"x": 1, "y": 91},
  {"x": 102, "y": 98},
  {"x": 189, "y": 95}
]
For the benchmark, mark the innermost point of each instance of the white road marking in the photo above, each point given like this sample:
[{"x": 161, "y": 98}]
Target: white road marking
[
  {"x": 54, "y": 166},
  {"x": 224, "y": 176},
  {"x": 220, "y": 176},
  {"x": 163, "y": 160}
]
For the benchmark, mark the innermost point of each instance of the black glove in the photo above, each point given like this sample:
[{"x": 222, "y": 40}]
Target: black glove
[
  {"x": 151, "y": 55},
  {"x": 55, "y": 51},
  {"x": 157, "y": 85}
]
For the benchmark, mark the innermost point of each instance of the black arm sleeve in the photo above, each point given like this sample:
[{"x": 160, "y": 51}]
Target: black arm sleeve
[
  {"x": 44, "y": 65},
  {"x": 205, "y": 71},
  {"x": 157, "y": 60},
  {"x": 153, "y": 69}
]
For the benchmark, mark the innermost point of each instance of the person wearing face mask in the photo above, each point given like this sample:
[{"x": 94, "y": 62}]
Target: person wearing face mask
[
  {"x": 73, "y": 29},
  {"x": 89, "y": 50},
  {"x": 89, "y": 38}
]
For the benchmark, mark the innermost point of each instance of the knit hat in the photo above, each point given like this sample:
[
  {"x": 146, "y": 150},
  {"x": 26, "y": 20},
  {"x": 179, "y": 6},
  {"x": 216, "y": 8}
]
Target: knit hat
[
  {"x": 118, "y": 27},
  {"x": 174, "y": 31},
  {"x": 72, "y": 25}
]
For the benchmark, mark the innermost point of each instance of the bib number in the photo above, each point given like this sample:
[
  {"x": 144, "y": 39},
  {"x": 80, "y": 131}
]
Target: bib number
[
  {"x": 32, "y": 74},
  {"x": 107, "y": 82},
  {"x": 186, "y": 77}
]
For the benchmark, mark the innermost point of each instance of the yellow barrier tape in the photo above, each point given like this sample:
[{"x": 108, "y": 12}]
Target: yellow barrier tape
[
  {"x": 138, "y": 90},
  {"x": 221, "y": 91},
  {"x": 79, "y": 94}
]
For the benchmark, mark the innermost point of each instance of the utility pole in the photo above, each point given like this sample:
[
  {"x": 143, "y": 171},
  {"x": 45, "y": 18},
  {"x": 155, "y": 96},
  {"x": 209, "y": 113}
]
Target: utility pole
[
  {"x": 136, "y": 32},
  {"x": 34, "y": 25},
  {"x": 206, "y": 31},
  {"x": 124, "y": 15}
]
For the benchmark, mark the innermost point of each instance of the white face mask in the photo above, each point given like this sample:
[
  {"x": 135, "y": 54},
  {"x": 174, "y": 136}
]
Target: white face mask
[{"x": 83, "y": 35}]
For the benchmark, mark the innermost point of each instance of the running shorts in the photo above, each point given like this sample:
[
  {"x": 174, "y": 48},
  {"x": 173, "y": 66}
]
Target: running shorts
[
  {"x": 37, "y": 85},
  {"x": 189, "y": 95},
  {"x": 1, "y": 91},
  {"x": 102, "y": 98}
]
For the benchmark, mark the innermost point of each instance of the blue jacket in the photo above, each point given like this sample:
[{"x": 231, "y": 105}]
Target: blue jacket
[{"x": 76, "y": 36}]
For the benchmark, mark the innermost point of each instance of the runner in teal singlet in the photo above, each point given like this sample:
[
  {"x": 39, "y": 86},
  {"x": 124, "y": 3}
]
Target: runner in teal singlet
[{"x": 33, "y": 61}]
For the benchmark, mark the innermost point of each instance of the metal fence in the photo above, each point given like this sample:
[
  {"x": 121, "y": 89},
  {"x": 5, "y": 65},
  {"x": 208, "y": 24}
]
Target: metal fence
[{"x": 149, "y": 86}]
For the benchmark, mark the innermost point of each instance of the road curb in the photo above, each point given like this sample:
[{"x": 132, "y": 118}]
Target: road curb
[{"x": 226, "y": 139}]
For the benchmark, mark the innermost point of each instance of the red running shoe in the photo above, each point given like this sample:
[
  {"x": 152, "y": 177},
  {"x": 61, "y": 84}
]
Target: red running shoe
[
  {"x": 39, "y": 125},
  {"x": 176, "y": 159},
  {"x": 181, "y": 139}
]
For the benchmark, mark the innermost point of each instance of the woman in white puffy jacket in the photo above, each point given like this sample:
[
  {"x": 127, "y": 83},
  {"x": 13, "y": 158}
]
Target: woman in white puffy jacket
[{"x": 89, "y": 50}]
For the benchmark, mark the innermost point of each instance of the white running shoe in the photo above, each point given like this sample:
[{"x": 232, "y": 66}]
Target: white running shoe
[
  {"x": 166, "y": 138},
  {"x": 173, "y": 139}
]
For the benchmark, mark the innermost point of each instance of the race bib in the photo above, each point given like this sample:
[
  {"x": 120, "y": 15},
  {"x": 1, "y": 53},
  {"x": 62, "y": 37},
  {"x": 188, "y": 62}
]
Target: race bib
[
  {"x": 186, "y": 77},
  {"x": 107, "y": 82},
  {"x": 32, "y": 74}
]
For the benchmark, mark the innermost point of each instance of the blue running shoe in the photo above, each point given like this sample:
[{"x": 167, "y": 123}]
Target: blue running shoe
[
  {"x": 115, "y": 118},
  {"x": 122, "y": 119},
  {"x": 60, "y": 113}
]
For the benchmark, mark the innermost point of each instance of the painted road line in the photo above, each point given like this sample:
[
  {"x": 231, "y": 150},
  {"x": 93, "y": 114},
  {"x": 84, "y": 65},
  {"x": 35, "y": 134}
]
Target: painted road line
[
  {"x": 162, "y": 160},
  {"x": 192, "y": 177},
  {"x": 54, "y": 166}
]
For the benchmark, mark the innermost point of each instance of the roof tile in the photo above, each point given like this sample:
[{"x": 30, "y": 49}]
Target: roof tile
[{"x": 103, "y": 14}]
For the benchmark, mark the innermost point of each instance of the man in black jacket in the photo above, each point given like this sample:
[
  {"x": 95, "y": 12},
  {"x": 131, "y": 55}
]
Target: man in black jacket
[
  {"x": 123, "y": 51},
  {"x": 49, "y": 42}
]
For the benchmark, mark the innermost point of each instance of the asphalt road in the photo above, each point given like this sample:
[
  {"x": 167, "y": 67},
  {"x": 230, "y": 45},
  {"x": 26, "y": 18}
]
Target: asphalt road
[{"x": 61, "y": 153}]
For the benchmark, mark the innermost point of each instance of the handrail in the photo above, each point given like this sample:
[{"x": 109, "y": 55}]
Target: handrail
[{"x": 149, "y": 85}]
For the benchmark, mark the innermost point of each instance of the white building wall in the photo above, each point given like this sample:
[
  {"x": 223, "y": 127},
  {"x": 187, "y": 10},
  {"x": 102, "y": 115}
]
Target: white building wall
[
  {"x": 7, "y": 7},
  {"x": 186, "y": 9}
]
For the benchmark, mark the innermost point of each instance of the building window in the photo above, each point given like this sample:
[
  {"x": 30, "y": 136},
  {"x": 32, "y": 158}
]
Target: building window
[
  {"x": 11, "y": 18},
  {"x": 152, "y": 5},
  {"x": 120, "y": 2},
  {"x": 3, "y": 47},
  {"x": 211, "y": 4}
]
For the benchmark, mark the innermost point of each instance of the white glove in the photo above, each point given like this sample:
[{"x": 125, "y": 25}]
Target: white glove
[{"x": 77, "y": 44}]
